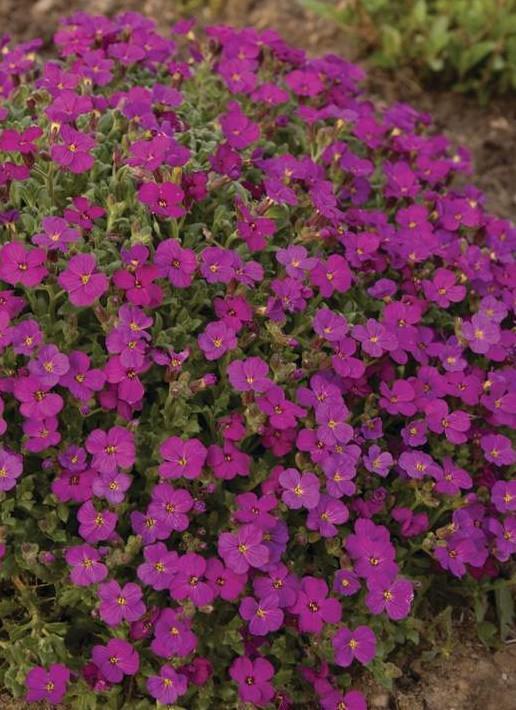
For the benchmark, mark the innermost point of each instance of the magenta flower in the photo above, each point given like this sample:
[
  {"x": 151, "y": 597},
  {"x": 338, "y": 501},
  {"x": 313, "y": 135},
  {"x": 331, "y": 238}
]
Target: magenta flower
[
  {"x": 216, "y": 340},
  {"x": 300, "y": 490},
  {"x": 374, "y": 338},
  {"x": 498, "y": 449},
  {"x": 79, "y": 379},
  {"x": 21, "y": 265},
  {"x": 359, "y": 644},
  {"x": 56, "y": 235},
  {"x": 332, "y": 275},
  {"x": 263, "y": 616},
  {"x": 243, "y": 549},
  {"x": 120, "y": 603},
  {"x": 481, "y": 333},
  {"x": 37, "y": 402},
  {"x": 282, "y": 413},
  {"x": 253, "y": 680},
  {"x": 393, "y": 597},
  {"x": 503, "y": 496},
  {"x": 352, "y": 700},
  {"x": 49, "y": 366},
  {"x": 172, "y": 636},
  {"x": 189, "y": 582},
  {"x": 249, "y": 375},
  {"x": 169, "y": 506},
  {"x": 11, "y": 468},
  {"x": 313, "y": 607},
  {"x": 73, "y": 153},
  {"x": 325, "y": 517},
  {"x": 346, "y": 583},
  {"x": 227, "y": 584},
  {"x": 454, "y": 424},
  {"x": 176, "y": 263},
  {"x": 237, "y": 128},
  {"x": 168, "y": 686},
  {"x": 83, "y": 284},
  {"x": 86, "y": 566},
  {"x": 111, "y": 449},
  {"x": 163, "y": 199},
  {"x": 443, "y": 289},
  {"x": 159, "y": 567},
  {"x": 49, "y": 685},
  {"x": 116, "y": 660},
  {"x": 95, "y": 525},
  {"x": 183, "y": 458}
]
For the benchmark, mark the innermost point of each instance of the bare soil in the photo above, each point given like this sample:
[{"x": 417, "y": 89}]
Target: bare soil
[{"x": 470, "y": 677}]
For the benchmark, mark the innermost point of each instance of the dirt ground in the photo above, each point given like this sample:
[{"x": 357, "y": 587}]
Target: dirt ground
[{"x": 470, "y": 678}]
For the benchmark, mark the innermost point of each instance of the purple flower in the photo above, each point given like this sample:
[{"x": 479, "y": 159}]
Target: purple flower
[
  {"x": 86, "y": 566},
  {"x": 374, "y": 338},
  {"x": 503, "y": 496},
  {"x": 172, "y": 636},
  {"x": 22, "y": 265},
  {"x": 253, "y": 680},
  {"x": 227, "y": 584},
  {"x": 168, "y": 686},
  {"x": 49, "y": 366},
  {"x": 49, "y": 685},
  {"x": 159, "y": 567},
  {"x": 263, "y": 616},
  {"x": 481, "y": 333},
  {"x": 359, "y": 644},
  {"x": 243, "y": 549},
  {"x": 79, "y": 379},
  {"x": 399, "y": 399},
  {"x": 73, "y": 153},
  {"x": 111, "y": 449},
  {"x": 237, "y": 128},
  {"x": 183, "y": 458},
  {"x": 11, "y": 468},
  {"x": 282, "y": 413},
  {"x": 443, "y": 289},
  {"x": 216, "y": 340},
  {"x": 453, "y": 424},
  {"x": 176, "y": 263},
  {"x": 217, "y": 265},
  {"x": 37, "y": 402},
  {"x": 346, "y": 583},
  {"x": 83, "y": 284},
  {"x": 189, "y": 583},
  {"x": 326, "y": 516},
  {"x": 120, "y": 603},
  {"x": 332, "y": 275},
  {"x": 498, "y": 449},
  {"x": 417, "y": 464},
  {"x": 313, "y": 607},
  {"x": 116, "y": 659},
  {"x": 393, "y": 597},
  {"x": 95, "y": 525},
  {"x": 163, "y": 199},
  {"x": 378, "y": 461},
  {"x": 249, "y": 375},
  {"x": 300, "y": 490}
]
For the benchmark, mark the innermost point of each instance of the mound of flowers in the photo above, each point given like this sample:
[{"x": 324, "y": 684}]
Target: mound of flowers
[{"x": 257, "y": 373}]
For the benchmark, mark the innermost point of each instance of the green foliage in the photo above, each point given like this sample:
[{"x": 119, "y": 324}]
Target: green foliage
[{"x": 470, "y": 44}]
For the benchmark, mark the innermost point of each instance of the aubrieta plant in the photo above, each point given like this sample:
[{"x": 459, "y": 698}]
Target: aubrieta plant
[{"x": 257, "y": 379}]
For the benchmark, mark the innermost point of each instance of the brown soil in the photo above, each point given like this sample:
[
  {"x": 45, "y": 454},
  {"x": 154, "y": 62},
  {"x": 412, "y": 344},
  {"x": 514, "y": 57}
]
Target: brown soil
[{"x": 471, "y": 677}]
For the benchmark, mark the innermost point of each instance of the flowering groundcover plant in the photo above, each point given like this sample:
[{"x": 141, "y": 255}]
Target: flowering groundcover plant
[{"x": 257, "y": 373}]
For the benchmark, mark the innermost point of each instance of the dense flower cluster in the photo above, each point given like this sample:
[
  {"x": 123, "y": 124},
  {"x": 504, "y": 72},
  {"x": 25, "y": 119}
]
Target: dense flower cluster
[{"x": 257, "y": 378}]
